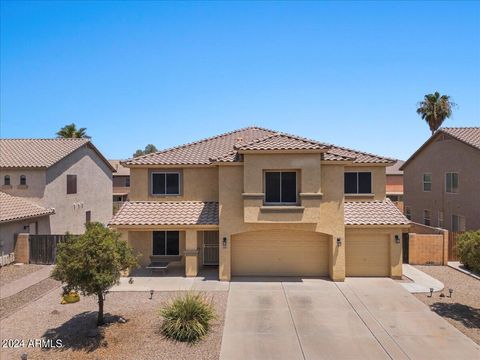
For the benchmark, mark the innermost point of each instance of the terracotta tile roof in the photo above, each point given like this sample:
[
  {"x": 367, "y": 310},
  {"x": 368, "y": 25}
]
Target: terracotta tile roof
[
  {"x": 395, "y": 168},
  {"x": 373, "y": 213},
  {"x": 121, "y": 170},
  {"x": 40, "y": 153},
  {"x": 223, "y": 148},
  {"x": 469, "y": 135},
  {"x": 167, "y": 213},
  {"x": 281, "y": 141},
  {"x": 14, "y": 208}
]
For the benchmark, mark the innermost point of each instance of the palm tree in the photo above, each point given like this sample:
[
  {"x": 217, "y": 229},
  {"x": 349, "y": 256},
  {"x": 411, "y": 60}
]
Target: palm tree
[
  {"x": 71, "y": 131},
  {"x": 434, "y": 109}
]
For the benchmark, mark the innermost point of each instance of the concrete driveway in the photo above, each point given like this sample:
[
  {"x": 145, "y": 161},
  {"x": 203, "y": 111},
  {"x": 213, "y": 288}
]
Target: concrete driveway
[{"x": 362, "y": 318}]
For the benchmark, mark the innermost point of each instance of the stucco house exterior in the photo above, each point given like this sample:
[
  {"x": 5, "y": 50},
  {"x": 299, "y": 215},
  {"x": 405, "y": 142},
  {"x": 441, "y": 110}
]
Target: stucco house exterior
[
  {"x": 395, "y": 183},
  {"x": 121, "y": 183},
  {"x": 259, "y": 202},
  {"x": 441, "y": 180},
  {"x": 70, "y": 177}
]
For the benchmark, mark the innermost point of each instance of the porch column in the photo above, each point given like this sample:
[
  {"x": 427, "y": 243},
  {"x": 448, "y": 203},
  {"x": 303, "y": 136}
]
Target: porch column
[{"x": 191, "y": 253}]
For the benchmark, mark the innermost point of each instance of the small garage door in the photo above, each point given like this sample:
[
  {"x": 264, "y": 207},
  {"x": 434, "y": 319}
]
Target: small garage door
[
  {"x": 279, "y": 253},
  {"x": 367, "y": 255}
]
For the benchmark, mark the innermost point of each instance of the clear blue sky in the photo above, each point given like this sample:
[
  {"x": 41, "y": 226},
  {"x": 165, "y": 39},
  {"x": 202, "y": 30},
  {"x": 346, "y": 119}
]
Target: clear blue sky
[{"x": 135, "y": 73}]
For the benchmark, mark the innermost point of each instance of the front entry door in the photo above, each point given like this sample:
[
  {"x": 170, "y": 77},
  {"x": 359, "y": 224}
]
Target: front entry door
[{"x": 210, "y": 248}]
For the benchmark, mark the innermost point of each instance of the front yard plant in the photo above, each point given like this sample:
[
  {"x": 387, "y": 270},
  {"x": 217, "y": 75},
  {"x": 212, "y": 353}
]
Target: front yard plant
[
  {"x": 469, "y": 249},
  {"x": 92, "y": 263},
  {"x": 187, "y": 317}
]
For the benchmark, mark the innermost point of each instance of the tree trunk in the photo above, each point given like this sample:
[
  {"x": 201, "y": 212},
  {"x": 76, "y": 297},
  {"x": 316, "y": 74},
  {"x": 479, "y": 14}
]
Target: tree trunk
[{"x": 100, "y": 309}]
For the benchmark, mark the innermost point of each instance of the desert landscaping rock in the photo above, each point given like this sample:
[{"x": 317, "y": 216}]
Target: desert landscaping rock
[{"x": 13, "y": 272}]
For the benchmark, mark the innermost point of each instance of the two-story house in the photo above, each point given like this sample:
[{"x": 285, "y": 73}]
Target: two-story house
[
  {"x": 442, "y": 178},
  {"x": 68, "y": 177},
  {"x": 259, "y": 202}
]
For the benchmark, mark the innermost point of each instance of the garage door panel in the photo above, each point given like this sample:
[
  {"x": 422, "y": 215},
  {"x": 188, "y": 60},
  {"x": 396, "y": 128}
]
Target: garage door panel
[
  {"x": 367, "y": 255},
  {"x": 280, "y": 254}
]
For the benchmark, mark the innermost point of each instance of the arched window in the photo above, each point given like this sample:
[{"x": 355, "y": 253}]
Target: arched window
[
  {"x": 6, "y": 180},
  {"x": 23, "y": 180}
]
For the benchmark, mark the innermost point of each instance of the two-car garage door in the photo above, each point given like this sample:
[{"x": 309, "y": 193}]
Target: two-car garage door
[{"x": 279, "y": 253}]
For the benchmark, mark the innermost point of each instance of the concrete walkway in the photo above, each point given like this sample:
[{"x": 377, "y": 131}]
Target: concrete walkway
[
  {"x": 362, "y": 318},
  {"x": 421, "y": 282},
  {"x": 25, "y": 282},
  {"x": 458, "y": 266}
]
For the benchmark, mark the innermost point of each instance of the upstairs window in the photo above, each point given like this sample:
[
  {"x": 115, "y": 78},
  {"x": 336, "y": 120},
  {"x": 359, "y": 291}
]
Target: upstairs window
[
  {"x": 458, "y": 223},
  {"x": 426, "y": 217},
  {"x": 71, "y": 184},
  {"x": 451, "y": 183},
  {"x": 166, "y": 243},
  {"x": 23, "y": 180},
  {"x": 358, "y": 182},
  {"x": 6, "y": 180},
  {"x": 127, "y": 181},
  {"x": 427, "y": 182},
  {"x": 280, "y": 187},
  {"x": 165, "y": 183},
  {"x": 440, "y": 219}
]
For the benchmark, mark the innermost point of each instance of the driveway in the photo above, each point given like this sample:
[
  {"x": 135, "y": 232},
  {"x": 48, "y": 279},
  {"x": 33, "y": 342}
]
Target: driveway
[{"x": 362, "y": 318}]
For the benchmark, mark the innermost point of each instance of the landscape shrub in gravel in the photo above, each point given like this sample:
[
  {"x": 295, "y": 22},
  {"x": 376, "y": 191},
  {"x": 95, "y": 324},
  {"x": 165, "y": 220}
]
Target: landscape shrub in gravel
[
  {"x": 469, "y": 249},
  {"x": 187, "y": 317}
]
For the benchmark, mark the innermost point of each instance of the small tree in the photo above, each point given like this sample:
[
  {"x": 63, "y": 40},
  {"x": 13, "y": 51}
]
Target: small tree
[
  {"x": 92, "y": 263},
  {"x": 468, "y": 245},
  {"x": 150, "y": 148}
]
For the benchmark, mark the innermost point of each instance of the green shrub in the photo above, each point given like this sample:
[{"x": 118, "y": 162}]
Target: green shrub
[
  {"x": 468, "y": 245},
  {"x": 187, "y": 317}
]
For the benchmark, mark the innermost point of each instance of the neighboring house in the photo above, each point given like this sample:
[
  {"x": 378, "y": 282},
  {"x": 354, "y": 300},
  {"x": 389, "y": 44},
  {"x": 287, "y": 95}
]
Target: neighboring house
[
  {"x": 259, "y": 202},
  {"x": 442, "y": 180},
  {"x": 395, "y": 184},
  {"x": 19, "y": 215},
  {"x": 69, "y": 176},
  {"x": 121, "y": 182}
]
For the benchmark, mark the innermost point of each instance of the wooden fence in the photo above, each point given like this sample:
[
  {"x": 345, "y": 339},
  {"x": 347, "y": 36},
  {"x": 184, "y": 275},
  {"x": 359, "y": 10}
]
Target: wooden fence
[
  {"x": 452, "y": 246},
  {"x": 43, "y": 248}
]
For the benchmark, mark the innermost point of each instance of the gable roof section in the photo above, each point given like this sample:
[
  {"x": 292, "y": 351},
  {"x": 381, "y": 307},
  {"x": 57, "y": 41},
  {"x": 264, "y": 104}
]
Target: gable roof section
[
  {"x": 13, "y": 208},
  {"x": 41, "y": 153},
  {"x": 120, "y": 169},
  {"x": 395, "y": 168},
  {"x": 167, "y": 213},
  {"x": 467, "y": 135},
  {"x": 226, "y": 147},
  {"x": 373, "y": 213}
]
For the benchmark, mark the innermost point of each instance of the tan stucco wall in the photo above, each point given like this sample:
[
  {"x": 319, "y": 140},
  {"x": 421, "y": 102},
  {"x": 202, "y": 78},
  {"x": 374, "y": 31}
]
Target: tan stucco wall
[
  {"x": 439, "y": 158},
  {"x": 197, "y": 184},
  {"x": 8, "y": 231},
  {"x": 36, "y": 181}
]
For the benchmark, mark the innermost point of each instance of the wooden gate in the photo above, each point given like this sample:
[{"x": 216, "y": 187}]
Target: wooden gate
[
  {"x": 43, "y": 248},
  {"x": 452, "y": 246}
]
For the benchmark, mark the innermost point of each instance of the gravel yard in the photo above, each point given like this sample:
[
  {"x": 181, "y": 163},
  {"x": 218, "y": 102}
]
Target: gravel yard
[
  {"x": 138, "y": 338},
  {"x": 462, "y": 310},
  {"x": 12, "y": 272}
]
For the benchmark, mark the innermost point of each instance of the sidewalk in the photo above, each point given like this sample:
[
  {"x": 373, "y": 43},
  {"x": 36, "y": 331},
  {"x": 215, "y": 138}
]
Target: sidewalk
[
  {"x": 25, "y": 282},
  {"x": 421, "y": 282},
  {"x": 458, "y": 266}
]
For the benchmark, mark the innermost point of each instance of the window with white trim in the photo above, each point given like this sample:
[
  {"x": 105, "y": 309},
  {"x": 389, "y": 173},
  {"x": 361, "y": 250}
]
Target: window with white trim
[
  {"x": 427, "y": 215},
  {"x": 440, "y": 219},
  {"x": 458, "y": 223},
  {"x": 165, "y": 183},
  {"x": 358, "y": 182},
  {"x": 280, "y": 187},
  {"x": 166, "y": 243},
  {"x": 427, "y": 182},
  {"x": 451, "y": 182}
]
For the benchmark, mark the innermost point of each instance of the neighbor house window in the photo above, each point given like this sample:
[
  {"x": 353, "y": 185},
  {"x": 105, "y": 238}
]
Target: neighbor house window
[
  {"x": 427, "y": 217},
  {"x": 6, "y": 180},
  {"x": 23, "y": 180},
  {"x": 71, "y": 184},
  {"x": 281, "y": 187},
  {"x": 427, "y": 182},
  {"x": 166, "y": 243},
  {"x": 165, "y": 183},
  {"x": 127, "y": 181},
  {"x": 408, "y": 213},
  {"x": 88, "y": 217},
  {"x": 440, "y": 219},
  {"x": 451, "y": 182},
  {"x": 358, "y": 182},
  {"x": 458, "y": 223}
]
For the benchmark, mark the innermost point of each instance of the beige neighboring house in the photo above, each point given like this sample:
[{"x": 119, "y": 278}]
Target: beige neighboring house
[
  {"x": 121, "y": 182},
  {"x": 258, "y": 202},
  {"x": 442, "y": 178},
  {"x": 19, "y": 215},
  {"x": 395, "y": 183},
  {"x": 69, "y": 176}
]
